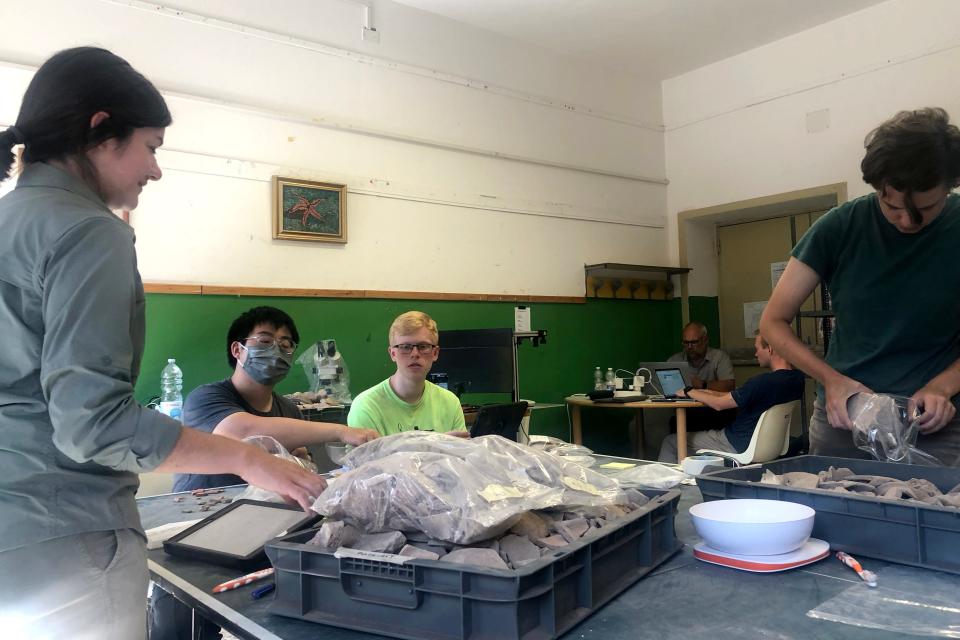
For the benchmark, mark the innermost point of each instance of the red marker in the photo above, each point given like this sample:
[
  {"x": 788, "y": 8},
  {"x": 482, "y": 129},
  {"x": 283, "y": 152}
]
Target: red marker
[
  {"x": 243, "y": 580},
  {"x": 868, "y": 576}
]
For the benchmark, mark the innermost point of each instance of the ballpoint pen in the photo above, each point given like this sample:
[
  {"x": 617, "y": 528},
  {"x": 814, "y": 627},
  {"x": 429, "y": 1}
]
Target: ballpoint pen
[
  {"x": 243, "y": 580},
  {"x": 868, "y": 576}
]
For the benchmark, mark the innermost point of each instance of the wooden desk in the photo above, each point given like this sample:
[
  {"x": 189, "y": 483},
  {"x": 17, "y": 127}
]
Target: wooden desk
[{"x": 576, "y": 402}]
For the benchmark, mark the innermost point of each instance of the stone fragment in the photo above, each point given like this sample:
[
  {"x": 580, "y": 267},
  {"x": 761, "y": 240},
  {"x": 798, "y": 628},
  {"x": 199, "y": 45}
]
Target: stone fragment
[
  {"x": 530, "y": 525},
  {"x": 386, "y": 542},
  {"x": 636, "y": 498},
  {"x": 555, "y": 541},
  {"x": 480, "y": 557},
  {"x": 335, "y": 534},
  {"x": 769, "y": 477},
  {"x": 416, "y": 552},
  {"x": 572, "y": 530},
  {"x": 800, "y": 480},
  {"x": 519, "y": 550}
]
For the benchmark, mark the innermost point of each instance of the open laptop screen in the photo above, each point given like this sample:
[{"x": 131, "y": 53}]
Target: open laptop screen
[{"x": 671, "y": 381}]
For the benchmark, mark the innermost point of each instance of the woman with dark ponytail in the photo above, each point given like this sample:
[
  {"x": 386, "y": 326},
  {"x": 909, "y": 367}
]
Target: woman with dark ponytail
[{"x": 72, "y": 437}]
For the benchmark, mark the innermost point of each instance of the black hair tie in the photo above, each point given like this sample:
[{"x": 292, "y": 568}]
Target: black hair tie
[{"x": 17, "y": 135}]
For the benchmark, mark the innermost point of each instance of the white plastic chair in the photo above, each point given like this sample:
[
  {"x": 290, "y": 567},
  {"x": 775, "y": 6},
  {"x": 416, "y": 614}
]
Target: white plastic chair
[{"x": 770, "y": 440}]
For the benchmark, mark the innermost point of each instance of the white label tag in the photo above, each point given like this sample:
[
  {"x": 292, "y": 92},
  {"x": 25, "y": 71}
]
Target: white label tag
[
  {"x": 494, "y": 492},
  {"x": 392, "y": 558},
  {"x": 580, "y": 485}
]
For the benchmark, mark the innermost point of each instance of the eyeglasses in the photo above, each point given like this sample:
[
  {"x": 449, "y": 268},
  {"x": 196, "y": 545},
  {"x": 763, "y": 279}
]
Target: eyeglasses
[
  {"x": 423, "y": 347},
  {"x": 287, "y": 345},
  {"x": 691, "y": 343}
]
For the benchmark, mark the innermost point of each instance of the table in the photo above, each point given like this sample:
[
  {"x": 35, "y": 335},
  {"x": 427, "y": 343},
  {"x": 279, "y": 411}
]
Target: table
[
  {"x": 683, "y": 598},
  {"x": 636, "y": 439}
]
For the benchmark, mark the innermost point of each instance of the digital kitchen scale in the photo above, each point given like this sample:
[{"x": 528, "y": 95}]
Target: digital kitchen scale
[{"x": 812, "y": 551}]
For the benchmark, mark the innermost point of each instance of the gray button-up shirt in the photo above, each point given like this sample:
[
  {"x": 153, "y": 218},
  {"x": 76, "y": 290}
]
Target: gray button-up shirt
[
  {"x": 72, "y": 437},
  {"x": 716, "y": 365}
]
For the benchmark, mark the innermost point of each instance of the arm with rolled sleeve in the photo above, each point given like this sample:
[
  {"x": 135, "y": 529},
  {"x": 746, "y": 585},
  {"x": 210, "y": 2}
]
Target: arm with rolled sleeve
[{"x": 91, "y": 294}]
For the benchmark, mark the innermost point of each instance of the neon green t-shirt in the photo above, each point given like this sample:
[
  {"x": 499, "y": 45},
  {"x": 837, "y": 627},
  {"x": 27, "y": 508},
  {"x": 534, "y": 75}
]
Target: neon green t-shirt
[{"x": 381, "y": 409}]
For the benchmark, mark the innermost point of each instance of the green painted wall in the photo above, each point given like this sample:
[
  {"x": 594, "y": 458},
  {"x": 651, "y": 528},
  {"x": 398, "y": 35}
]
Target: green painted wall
[
  {"x": 706, "y": 309},
  {"x": 604, "y": 333}
]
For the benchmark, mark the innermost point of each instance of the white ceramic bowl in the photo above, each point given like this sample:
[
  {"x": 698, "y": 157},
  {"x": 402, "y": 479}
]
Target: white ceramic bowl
[
  {"x": 336, "y": 451},
  {"x": 753, "y": 527}
]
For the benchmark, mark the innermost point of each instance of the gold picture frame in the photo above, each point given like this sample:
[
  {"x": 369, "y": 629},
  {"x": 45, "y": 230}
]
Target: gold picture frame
[{"x": 308, "y": 210}]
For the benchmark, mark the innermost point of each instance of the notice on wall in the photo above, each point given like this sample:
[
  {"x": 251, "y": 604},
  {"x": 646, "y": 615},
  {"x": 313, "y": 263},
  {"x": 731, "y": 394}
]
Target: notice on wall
[
  {"x": 776, "y": 270},
  {"x": 521, "y": 319},
  {"x": 751, "y": 317}
]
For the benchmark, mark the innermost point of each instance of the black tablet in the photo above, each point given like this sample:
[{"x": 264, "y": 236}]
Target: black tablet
[{"x": 235, "y": 535}]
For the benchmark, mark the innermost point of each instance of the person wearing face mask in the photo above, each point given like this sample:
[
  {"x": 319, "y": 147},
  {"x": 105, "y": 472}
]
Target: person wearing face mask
[
  {"x": 260, "y": 347},
  {"x": 889, "y": 260}
]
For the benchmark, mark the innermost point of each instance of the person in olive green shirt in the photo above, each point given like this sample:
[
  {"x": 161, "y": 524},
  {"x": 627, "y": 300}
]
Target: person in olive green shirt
[
  {"x": 889, "y": 259},
  {"x": 407, "y": 401}
]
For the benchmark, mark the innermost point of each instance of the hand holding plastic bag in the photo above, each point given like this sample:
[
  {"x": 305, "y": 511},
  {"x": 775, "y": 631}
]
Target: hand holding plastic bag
[
  {"x": 271, "y": 445},
  {"x": 883, "y": 428}
]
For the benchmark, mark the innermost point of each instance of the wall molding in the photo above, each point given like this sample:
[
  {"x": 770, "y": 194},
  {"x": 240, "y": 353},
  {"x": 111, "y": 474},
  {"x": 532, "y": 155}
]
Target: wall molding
[
  {"x": 384, "y": 63},
  {"x": 819, "y": 83},
  {"x": 279, "y": 292}
]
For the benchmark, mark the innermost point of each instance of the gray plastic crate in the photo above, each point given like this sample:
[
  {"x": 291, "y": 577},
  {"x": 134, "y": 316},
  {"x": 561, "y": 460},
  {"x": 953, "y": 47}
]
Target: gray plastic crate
[
  {"x": 899, "y": 531},
  {"x": 438, "y": 600}
]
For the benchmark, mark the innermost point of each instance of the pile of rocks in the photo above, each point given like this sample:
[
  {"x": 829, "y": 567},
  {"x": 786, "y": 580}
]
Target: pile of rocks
[
  {"x": 534, "y": 535},
  {"x": 844, "y": 480}
]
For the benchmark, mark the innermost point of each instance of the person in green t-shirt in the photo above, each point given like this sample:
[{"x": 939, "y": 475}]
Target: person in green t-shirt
[
  {"x": 406, "y": 401},
  {"x": 890, "y": 262}
]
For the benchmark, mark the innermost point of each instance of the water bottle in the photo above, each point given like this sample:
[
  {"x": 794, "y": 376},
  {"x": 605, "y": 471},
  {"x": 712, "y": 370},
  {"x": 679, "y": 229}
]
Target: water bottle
[
  {"x": 171, "y": 390},
  {"x": 611, "y": 380},
  {"x": 597, "y": 379}
]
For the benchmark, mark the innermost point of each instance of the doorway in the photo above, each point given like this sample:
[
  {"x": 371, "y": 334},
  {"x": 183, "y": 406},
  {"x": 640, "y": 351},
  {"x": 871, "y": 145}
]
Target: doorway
[{"x": 751, "y": 243}]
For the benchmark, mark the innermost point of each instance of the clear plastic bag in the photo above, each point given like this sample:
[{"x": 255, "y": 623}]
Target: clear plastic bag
[
  {"x": 883, "y": 428},
  {"x": 908, "y": 601},
  {"x": 652, "y": 476},
  {"x": 272, "y": 446},
  {"x": 327, "y": 371},
  {"x": 456, "y": 490}
]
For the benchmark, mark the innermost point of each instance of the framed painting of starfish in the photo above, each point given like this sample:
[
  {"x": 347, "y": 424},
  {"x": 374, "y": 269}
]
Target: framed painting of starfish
[{"x": 305, "y": 210}]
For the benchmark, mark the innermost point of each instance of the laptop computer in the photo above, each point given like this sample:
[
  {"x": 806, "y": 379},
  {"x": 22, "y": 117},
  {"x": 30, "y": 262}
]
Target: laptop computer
[
  {"x": 670, "y": 381},
  {"x": 655, "y": 388}
]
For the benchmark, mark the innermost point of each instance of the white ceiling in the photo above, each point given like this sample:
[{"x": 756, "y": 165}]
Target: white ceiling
[{"x": 656, "y": 39}]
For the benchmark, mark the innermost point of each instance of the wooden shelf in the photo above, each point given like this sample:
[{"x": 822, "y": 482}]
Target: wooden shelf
[
  {"x": 632, "y": 281},
  {"x": 637, "y": 271}
]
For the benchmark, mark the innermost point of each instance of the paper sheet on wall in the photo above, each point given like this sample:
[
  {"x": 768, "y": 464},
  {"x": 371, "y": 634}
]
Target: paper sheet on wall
[
  {"x": 751, "y": 317},
  {"x": 521, "y": 319},
  {"x": 776, "y": 270}
]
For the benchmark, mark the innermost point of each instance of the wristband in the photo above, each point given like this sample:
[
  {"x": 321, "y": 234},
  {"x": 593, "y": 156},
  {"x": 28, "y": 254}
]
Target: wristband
[{"x": 687, "y": 389}]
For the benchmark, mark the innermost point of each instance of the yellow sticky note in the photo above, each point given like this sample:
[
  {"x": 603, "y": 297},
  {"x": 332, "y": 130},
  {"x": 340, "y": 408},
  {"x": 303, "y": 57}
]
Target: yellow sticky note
[{"x": 618, "y": 465}]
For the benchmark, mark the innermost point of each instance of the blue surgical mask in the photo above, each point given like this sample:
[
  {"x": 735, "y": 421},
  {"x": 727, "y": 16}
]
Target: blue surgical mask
[{"x": 266, "y": 365}]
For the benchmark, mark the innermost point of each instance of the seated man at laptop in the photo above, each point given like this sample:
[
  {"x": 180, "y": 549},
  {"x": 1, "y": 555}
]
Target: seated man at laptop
[
  {"x": 407, "y": 401},
  {"x": 709, "y": 369},
  {"x": 782, "y": 384}
]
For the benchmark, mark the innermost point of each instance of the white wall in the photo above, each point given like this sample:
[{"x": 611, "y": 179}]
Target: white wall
[
  {"x": 737, "y": 129},
  {"x": 474, "y": 164}
]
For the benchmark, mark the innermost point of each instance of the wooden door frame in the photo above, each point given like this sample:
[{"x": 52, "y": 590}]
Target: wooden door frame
[{"x": 781, "y": 205}]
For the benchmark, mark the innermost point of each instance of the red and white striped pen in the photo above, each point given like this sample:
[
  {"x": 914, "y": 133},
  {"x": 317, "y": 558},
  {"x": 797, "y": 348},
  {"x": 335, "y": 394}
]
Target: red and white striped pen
[{"x": 243, "y": 580}]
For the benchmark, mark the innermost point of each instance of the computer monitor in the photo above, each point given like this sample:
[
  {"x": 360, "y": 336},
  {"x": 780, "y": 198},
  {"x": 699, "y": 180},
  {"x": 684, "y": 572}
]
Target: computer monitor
[
  {"x": 499, "y": 420},
  {"x": 671, "y": 381},
  {"x": 476, "y": 361}
]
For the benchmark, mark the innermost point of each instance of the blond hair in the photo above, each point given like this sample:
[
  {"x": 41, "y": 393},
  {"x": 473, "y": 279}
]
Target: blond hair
[{"x": 411, "y": 322}]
